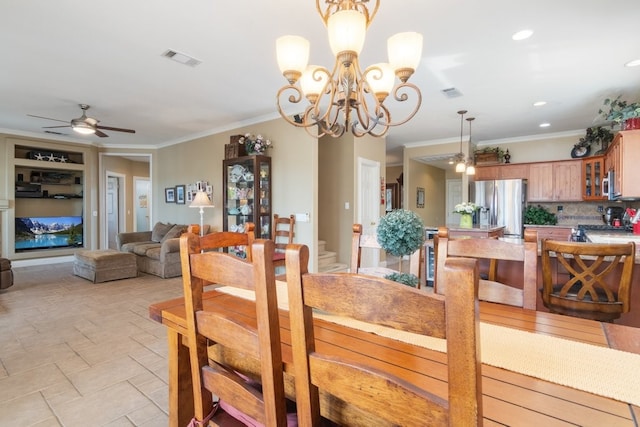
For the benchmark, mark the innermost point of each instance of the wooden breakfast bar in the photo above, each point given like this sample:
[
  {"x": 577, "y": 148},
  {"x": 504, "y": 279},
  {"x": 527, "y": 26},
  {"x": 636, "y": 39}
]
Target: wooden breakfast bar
[{"x": 509, "y": 398}]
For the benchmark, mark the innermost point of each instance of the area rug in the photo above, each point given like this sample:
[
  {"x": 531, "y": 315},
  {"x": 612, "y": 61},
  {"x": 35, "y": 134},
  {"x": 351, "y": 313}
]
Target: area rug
[{"x": 594, "y": 369}]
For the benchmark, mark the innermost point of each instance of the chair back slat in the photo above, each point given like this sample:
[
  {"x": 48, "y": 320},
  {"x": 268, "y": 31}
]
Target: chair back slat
[
  {"x": 379, "y": 301},
  {"x": 494, "y": 250}
]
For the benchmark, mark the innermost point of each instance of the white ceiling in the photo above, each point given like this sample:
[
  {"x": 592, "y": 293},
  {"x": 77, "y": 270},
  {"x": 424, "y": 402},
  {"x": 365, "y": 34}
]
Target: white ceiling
[{"x": 57, "y": 54}]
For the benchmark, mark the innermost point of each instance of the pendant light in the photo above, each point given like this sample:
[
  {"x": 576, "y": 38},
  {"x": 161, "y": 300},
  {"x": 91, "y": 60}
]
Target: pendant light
[
  {"x": 471, "y": 168},
  {"x": 459, "y": 159}
]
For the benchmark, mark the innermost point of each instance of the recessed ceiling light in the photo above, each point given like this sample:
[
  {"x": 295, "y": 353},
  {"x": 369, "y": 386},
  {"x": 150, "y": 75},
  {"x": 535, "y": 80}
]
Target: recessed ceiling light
[
  {"x": 539, "y": 103},
  {"x": 545, "y": 125},
  {"x": 521, "y": 35},
  {"x": 633, "y": 63}
]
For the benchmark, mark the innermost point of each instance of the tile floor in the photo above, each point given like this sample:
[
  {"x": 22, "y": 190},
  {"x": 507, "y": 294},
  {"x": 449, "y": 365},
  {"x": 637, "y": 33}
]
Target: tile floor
[{"x": 75, "y": 353}]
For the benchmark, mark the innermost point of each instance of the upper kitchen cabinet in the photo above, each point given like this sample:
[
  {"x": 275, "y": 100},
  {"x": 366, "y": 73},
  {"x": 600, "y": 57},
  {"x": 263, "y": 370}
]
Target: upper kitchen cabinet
[
  {"x": 555, "y": 181},
  {"x": 505, "y": 171},
  {"x": 623, "y": 159},
  {"x": 593, "y": 171}
]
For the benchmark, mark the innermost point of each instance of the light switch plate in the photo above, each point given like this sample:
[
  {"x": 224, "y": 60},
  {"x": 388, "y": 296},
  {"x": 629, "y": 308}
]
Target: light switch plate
[{"x": 302, "y": 217}]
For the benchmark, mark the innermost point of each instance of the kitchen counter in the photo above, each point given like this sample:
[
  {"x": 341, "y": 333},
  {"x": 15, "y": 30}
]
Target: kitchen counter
[
  {"x": 476, "y": 227},
  {"x": 476, "y": 231},
  {"x": 597, "y": 236}
]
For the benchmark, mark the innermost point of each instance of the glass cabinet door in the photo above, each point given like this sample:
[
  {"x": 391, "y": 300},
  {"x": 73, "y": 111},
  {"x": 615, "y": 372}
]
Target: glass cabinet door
[
  {"x": 592, "y": 174},
  {"x": 247, "y": 185}
]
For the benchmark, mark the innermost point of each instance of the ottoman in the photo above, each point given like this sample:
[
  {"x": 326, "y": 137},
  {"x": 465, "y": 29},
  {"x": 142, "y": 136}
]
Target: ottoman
[
  {"x": 104, "y": 265},
  {"x": 6, "y": 274}
]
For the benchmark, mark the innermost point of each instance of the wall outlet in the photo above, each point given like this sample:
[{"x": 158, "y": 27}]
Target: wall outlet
[
  {"x": 302, "y": 217},
  {"x": 560, "y": 208},
  {"x": 600, "y": 208}
]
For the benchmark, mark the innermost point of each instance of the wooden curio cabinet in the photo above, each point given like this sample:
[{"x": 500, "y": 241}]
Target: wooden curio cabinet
[
  {"x": 247, "y": 198},
  {"x": 593, "y": 171}
]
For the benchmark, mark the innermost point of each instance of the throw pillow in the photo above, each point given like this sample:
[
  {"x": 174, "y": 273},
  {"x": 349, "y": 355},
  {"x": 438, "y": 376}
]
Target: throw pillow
[
  {"x": 176, "y": 231},
  {"x": 159, "y": 230}
]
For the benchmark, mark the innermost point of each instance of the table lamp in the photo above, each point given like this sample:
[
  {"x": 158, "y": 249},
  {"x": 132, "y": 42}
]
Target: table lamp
[{"x": 201, "y": 201}]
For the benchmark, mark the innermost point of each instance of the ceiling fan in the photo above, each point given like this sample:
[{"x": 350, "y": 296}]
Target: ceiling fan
[{"x": 85, "y": 125}]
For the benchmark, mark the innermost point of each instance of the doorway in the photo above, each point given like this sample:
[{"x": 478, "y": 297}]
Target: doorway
[
  {"x": 115, "y": 206},
  {"x": 368, "y": 214},
  {"x": 142, "y": 204}
]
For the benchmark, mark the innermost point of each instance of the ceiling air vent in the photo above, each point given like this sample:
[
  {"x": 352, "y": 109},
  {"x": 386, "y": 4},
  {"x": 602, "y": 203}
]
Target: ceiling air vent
[
  {"x": 451, "y": 92},
  {"x": 181, "y": 58}
]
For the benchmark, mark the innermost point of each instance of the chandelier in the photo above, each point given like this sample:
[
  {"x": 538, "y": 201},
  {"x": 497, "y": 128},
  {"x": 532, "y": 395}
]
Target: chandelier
[
  {"x": 347, "y": 98},
  {"x": 463, "y": 165}
]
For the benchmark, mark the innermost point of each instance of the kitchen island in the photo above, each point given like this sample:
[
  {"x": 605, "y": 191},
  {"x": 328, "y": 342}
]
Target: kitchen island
[{"x": 476, "y": 231}]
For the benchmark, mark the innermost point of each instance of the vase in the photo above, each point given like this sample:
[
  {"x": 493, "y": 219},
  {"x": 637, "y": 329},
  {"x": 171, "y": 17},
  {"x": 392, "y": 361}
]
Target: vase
[
  {"x": 631, "y": 124},
  {"x": 466, "y": 221},
  {"x": 254, "y": 153}
]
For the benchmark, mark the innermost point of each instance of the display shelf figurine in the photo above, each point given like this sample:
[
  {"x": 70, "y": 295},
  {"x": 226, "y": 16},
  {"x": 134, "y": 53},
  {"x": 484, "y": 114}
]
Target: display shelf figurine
[{"x": 507, "y": 157}]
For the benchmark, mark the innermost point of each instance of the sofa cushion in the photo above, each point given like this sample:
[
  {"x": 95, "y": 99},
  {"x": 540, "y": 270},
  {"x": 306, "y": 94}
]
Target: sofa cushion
[
  {"x": 130, "y": 247},
  {"x": 159, "y": 231},
  {"x": 142, "y": 249},
  {"x": 176, "y": 231},
  {"x": 153, "y": 253}
]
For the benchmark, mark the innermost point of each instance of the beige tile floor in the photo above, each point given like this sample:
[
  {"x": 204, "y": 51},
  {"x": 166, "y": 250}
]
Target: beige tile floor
[{"x": 75, "y": 353}]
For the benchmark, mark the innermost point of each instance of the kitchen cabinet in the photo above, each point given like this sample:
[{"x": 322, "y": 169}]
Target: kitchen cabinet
[
  {"x": 553, "y": 232},
  {"x": 555, "y": 181},
  {"x": 593, "y": 171},
  {"x": 247, "y": 198},
  {"x": 623, "y": 158},
  {"x": 506, "y": 171}
]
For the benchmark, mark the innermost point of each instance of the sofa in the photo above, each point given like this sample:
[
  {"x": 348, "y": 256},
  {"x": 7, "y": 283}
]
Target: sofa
[{"x": 157, "y": 251}]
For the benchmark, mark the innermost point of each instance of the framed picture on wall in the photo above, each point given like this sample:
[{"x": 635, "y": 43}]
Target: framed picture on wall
[
  {"x": 180, "y": 194},
  {"x": 420, "y": 198},
  {"x": 170, "y": 195}
]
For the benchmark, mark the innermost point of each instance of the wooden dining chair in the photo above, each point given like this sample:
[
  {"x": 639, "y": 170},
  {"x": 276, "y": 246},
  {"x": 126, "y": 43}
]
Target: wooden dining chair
[
  {"x": 495, "y": 251},
  {"x": 386, "y": 395},
  {"x": 283, "y": 232},
  {"x": 589, "y": 280},
  {"x": 361, "y": 241},
  {"x": 239, "y": 398}
]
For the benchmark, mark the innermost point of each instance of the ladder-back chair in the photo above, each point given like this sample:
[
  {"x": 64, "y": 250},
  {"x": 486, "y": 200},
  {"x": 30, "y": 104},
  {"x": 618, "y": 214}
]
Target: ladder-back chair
[{"x": 282, "y": 234}]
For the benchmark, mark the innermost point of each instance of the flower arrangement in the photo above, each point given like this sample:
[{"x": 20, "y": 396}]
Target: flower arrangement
[
  {"x": 465, "y": 208},
  {"x": 255, "y": 144}
]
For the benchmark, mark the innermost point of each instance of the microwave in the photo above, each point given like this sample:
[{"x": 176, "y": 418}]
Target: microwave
[{"x": 608, "y": 186}]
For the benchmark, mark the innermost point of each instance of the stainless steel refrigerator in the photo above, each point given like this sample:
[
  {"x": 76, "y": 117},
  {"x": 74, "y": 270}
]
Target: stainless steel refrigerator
[{"x": 502, "y": 202}]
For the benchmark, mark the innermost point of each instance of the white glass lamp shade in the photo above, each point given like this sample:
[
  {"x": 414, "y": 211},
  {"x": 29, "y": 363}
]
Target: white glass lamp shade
[
  {"x": 201, "y": 201},
  {"x": 292, "y": 53},
  {"x": 347, "y": 30},
  {"x": 83, "y": 128},
  {"x": 380, "y": 78},
  {"x": 312, "y": 84},
  {"x": 405, "y": 50},
  {"x": 471, "y": 170},
  {"x": 461, "y": 167}
]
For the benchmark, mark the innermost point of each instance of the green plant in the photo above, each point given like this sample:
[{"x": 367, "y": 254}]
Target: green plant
[
  {"x": 486, "y": 150},
  {"x": 404, "y": 278},
  {"x": 618, "y": 110},
  {"x": 401, "y": 232},
  {"x": 539, "y": 215}
]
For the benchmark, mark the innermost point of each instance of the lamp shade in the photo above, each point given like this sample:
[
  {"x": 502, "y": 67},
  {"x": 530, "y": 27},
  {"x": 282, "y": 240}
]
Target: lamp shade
[
  {"x": 381, "y": 78},
  {"x": 312, "y": 84},
  {"x": 201, "y": 201},
  {"x": 461, "y": 166},
  {"x": 405, "y": 50},
  {"x": 292, "y": 53},
  {"x": 347, "y": 30},
  {"x": 83, "y": 128}
]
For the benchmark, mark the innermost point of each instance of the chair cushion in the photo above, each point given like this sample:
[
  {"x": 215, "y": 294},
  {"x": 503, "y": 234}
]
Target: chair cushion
[
  {"x": 277, "y": 256},
  {"x": 573, "y": 293},
  {"x": 159, "y": 231}
]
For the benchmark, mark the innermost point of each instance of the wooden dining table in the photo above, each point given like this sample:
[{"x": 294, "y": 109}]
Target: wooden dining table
[{"x": 509, "y": 398}]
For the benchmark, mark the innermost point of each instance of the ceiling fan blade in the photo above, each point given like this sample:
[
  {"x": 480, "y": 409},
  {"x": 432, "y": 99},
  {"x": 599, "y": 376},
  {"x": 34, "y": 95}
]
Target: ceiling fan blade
[
  {"x": 48, "y": 118},
  {"x": 53, "y": 127},
  {"x": 101, "y": 134},
  {"x": 115, "y": 129}
]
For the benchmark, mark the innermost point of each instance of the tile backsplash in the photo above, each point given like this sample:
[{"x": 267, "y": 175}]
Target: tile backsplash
[{"x": 574, "y": 213}]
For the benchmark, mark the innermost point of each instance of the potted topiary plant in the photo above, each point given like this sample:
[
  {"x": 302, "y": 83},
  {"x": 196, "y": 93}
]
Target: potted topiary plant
[
  {"x": 617, "y": 111},
  {"x": 400, "y": 233}
]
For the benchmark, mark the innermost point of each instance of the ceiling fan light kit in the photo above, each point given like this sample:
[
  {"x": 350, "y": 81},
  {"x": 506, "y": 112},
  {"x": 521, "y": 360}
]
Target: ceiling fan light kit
[
  {"x": 85, "y": 125},
  {"x": 346, "y": 98}
]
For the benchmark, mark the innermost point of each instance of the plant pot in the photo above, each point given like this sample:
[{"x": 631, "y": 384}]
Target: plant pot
[
  {"x": 466, "y": 221},
  {"x": 631, "y": 124}
]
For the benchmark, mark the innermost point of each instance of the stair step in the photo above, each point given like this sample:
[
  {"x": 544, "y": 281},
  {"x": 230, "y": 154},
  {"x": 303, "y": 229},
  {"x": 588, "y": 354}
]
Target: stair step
[
  {"x": 321, "y": 246},
  {"x": 326, "y": 257},
  {"x": 335, "y": 267}
]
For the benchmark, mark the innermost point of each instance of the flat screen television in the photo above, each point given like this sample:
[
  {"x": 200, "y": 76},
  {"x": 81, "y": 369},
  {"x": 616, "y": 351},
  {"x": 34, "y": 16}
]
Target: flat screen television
[{"x": 49, "y": 232}]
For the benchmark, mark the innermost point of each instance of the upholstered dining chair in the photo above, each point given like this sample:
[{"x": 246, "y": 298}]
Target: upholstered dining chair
[
  {"x": 589, "y": 280},
  {"x": 239, "y": 398},
  {"x": 350, "y": 379},
  {"x": 283, "y": 232},
  {"x": 361, "y": 241},
  {"x": 495, "y": 251}
]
